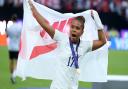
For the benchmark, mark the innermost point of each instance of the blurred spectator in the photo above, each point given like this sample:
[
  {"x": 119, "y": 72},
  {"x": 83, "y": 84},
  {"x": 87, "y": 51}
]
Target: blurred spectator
[
  {"x": 13, "y": 33},
  {"x": 94, "y": 4},
  {"x": 55, "y": 4},
  {"x": 127, "y": 13},
  {"x": 124, "y": 8},
  {"x": 8, "y": 2},
  {"x": 80, "y": 4},
  {"x": 115, "y": 6},
  {"x": 13, "y": 3},
  {"x": 18, "y": 3},
  {"x": 116, "y": 10},
  {"x": 47, "y": 3},
  {"x": 2, "y": 3},
  {"x": 67, "y": 5},
  {"x": 105, "y": 6},
  {"x": 87, "y": 4}
]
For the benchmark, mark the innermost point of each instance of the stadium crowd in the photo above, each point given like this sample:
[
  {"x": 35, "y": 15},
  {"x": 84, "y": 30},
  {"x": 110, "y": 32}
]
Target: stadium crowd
[
  {"x": 117, "y": 6},
  {"x": 113, "y": 13}
]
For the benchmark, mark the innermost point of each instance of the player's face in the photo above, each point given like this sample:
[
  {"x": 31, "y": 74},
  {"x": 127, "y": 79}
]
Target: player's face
[{"x": 76, "y": 30}]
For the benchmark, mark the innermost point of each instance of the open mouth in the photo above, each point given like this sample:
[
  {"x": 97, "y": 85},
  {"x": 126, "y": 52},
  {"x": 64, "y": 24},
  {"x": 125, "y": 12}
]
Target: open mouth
[{"x": 73, "y": 35}]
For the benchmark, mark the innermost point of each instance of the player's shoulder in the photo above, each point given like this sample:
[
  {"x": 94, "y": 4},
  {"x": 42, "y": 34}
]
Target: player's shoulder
[{"x": 86, "y": 42}]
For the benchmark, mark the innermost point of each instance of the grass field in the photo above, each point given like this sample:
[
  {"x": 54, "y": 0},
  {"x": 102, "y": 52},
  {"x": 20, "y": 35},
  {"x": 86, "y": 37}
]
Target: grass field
[{"x": 118, "y": 65}]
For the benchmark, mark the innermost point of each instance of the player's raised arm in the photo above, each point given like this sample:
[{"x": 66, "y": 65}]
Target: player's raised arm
[
  {"x": 101, "y": 35},
  {"x": 41, "y": 20}
]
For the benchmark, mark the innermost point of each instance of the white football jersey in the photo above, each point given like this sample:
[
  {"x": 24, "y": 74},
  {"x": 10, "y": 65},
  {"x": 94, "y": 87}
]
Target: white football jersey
[{"x": 66, "y": 76}]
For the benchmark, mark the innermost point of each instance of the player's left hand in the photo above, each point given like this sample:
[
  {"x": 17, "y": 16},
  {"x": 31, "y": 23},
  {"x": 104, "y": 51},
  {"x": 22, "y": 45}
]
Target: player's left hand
[{"x": 31, "y": 4}]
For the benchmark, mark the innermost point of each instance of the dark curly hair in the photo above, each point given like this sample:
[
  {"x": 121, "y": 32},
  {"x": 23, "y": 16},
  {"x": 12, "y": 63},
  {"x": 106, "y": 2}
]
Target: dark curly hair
[{"x": 80, "y": 19}]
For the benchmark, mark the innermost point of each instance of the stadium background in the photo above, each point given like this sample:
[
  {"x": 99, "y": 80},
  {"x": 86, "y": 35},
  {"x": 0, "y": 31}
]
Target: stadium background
[{"x": 113, "y": 13}]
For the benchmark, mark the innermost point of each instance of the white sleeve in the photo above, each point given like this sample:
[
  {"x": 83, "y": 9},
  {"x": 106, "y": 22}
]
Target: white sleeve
[
  {"x": 86, "y": 46},
  {"x": 97, "y": 20},
  {"x": 89, "y": 45}
]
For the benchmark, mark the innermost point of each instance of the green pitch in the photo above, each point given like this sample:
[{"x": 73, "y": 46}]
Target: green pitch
[
  {"x": 118, "y": 62},
  {"x": 118, "y": 65}
]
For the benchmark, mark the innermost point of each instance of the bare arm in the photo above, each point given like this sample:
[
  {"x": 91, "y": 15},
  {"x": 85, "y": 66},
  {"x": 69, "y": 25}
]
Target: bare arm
[
  {"x": 101, "y": 35},
  {"x": 41, "y": 20},
  {"x": 100, "y": 42}
]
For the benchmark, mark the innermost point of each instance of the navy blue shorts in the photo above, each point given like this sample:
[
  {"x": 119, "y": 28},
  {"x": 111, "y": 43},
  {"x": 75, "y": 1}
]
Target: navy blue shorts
[{"x": 13, "y": 55}]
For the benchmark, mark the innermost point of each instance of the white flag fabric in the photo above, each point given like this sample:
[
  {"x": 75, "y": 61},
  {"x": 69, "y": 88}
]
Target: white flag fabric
[{"x": 37, "y": 57}]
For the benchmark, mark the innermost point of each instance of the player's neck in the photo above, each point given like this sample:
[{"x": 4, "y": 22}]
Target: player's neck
[{"x": 75, "y": 41}]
